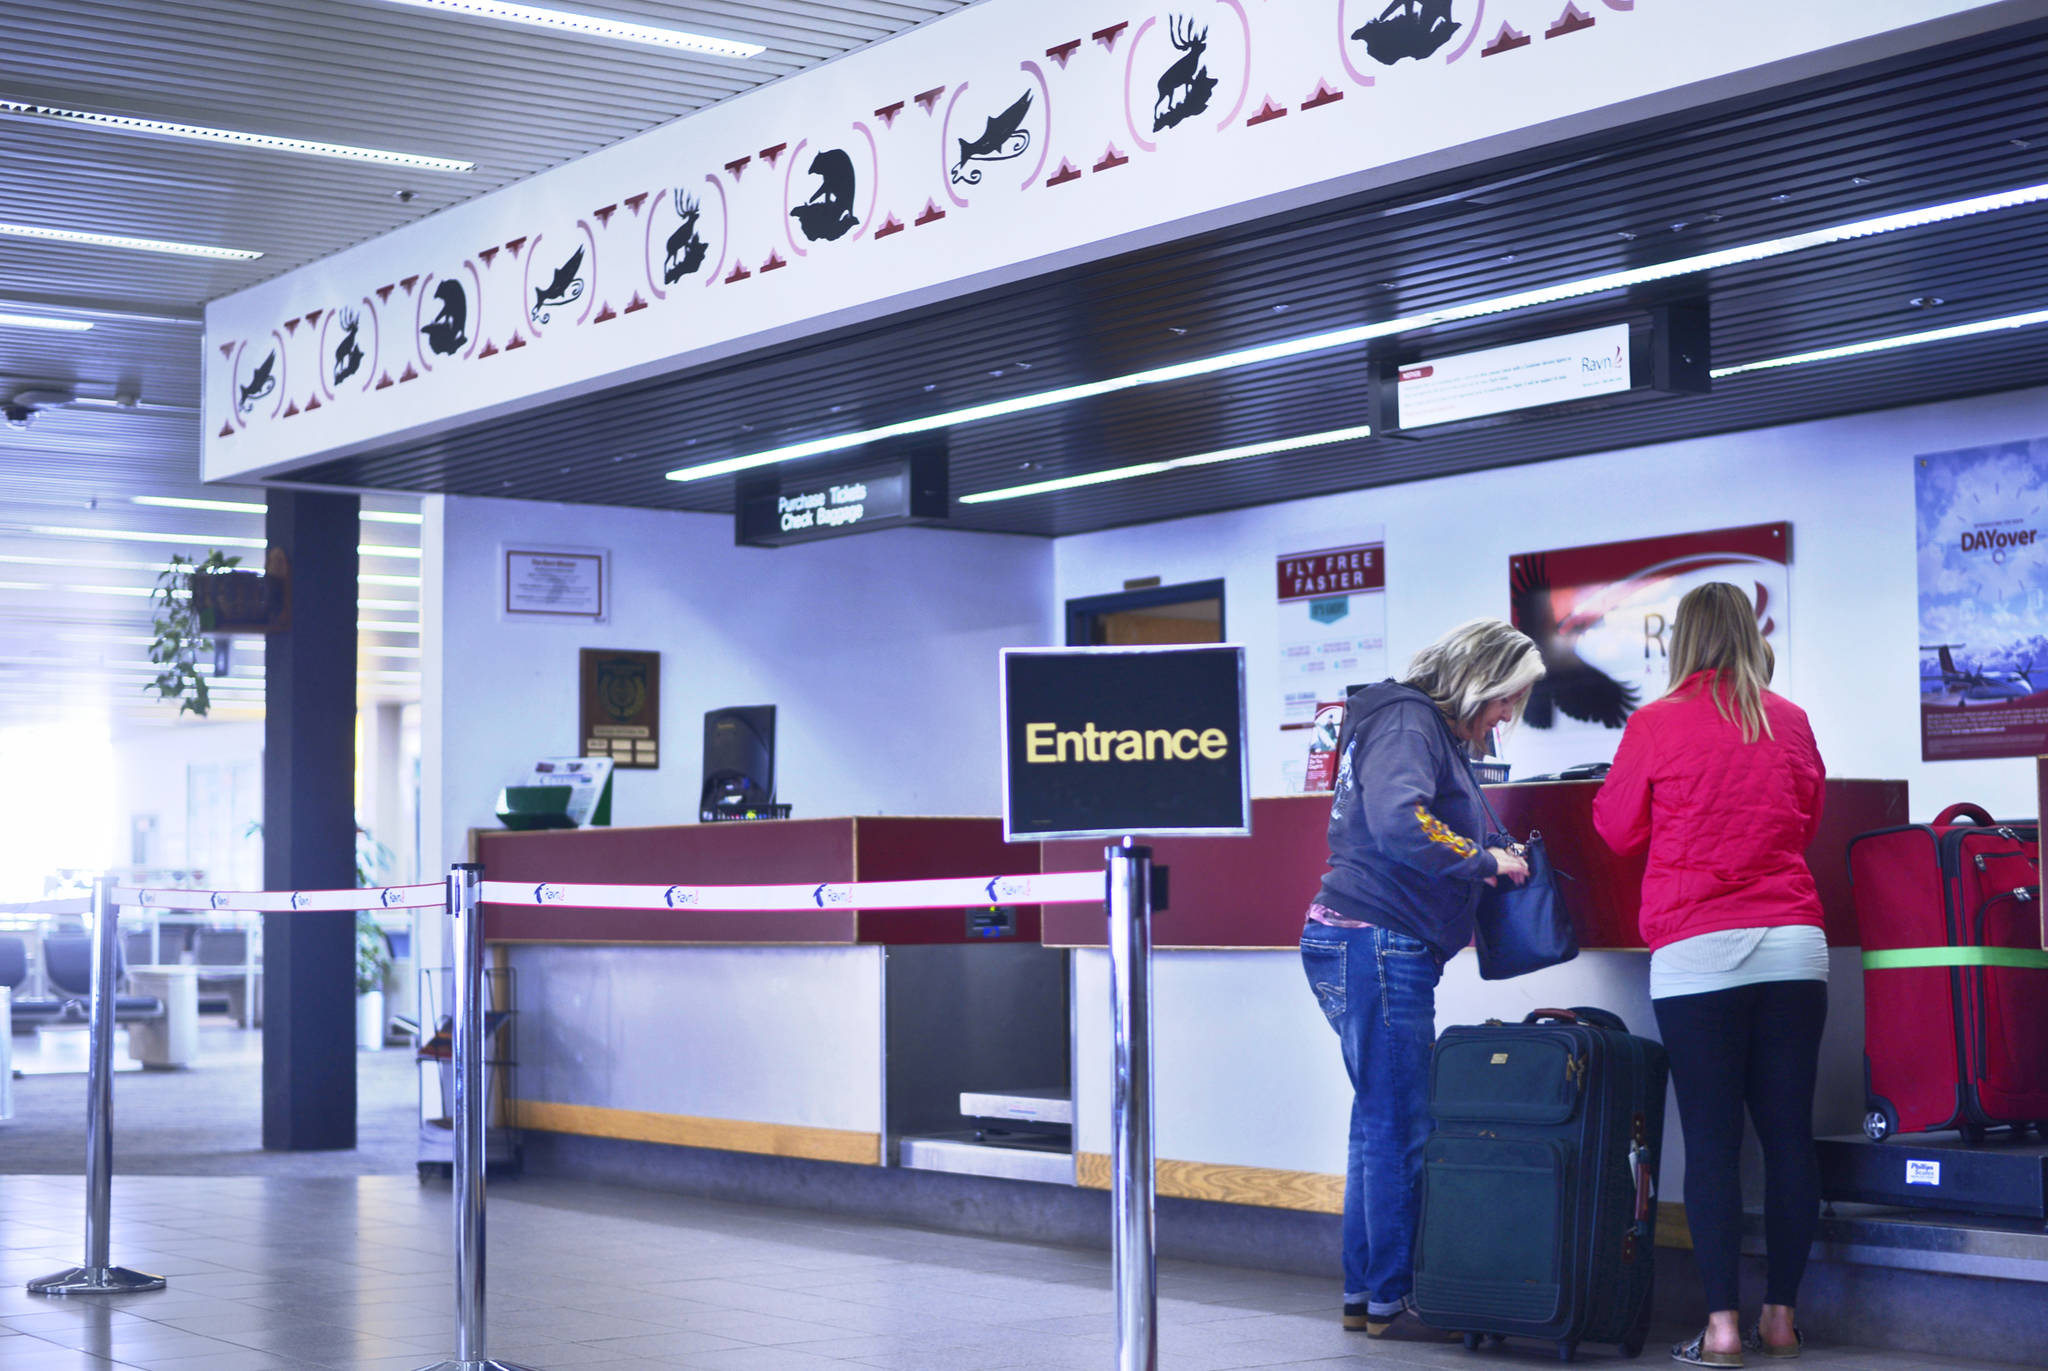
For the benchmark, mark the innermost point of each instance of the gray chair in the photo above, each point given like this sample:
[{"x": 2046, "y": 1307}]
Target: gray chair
[
  {"x": 67, "y": 966},
  {"x": 222, "y": 956}
]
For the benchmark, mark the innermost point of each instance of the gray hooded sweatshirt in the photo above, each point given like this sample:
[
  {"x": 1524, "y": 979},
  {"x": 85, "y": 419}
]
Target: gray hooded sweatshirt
[{"x": 1407, "y": 826}]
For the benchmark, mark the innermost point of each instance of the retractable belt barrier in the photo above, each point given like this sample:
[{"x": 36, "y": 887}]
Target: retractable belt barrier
[{"x": 462, "y": 898}]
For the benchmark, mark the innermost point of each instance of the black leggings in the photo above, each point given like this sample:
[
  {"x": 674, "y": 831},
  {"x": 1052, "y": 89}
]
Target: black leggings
[{"x": 1757, "y": 1045}]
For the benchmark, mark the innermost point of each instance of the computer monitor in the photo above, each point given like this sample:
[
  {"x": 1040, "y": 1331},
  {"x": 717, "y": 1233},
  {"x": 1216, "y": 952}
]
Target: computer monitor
[{"x": 739, "y": 758}]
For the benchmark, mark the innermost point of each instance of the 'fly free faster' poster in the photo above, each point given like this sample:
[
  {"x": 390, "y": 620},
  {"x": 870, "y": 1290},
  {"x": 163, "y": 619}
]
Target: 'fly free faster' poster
[
  {"x": 1333, "y": 635},
  {"x": 1983, "y": 533}
]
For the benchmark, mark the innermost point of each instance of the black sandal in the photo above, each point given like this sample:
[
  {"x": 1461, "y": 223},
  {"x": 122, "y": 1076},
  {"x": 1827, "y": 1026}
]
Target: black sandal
[
  {"x": 1695, "y": 1353},
  {"x": 1754, "y": 1341}
]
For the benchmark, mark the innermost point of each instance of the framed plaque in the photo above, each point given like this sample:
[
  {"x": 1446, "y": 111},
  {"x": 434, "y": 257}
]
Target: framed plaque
[
  {"x": 562, "y": 584},
  {"x": 621, "y": 707}
]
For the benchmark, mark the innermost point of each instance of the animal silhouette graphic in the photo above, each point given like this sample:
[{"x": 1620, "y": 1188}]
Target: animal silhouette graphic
[
  {"x": 1572, "y": 686},
  {"x": 348, "y": 354},
  {"x": 261, "y": 382},
  {"x": 1186, "y": 86},
  {"x": 447, "y": 333},
  {"x": 828, "y": 214},
  {"x": 1408, "y": 29},
  {"x": 565, "y": 288},
  {"x": 1004, "y": 137},
  {"x": 686, "y": 246}
]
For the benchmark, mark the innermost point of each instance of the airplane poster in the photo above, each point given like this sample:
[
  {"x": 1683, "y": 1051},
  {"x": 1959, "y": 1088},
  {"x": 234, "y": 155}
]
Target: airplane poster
[
  {"x": 1602, "y": 616},
  {"x": 1983, "y": 534}
]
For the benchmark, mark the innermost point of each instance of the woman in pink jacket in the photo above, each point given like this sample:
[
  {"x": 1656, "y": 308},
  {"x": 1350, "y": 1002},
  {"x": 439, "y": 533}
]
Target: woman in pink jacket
[{"x": 1721, "y": 781}]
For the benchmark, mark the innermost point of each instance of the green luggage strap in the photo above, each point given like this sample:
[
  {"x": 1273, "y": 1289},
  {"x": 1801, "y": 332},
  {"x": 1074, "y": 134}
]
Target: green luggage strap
[{"x": 1898, "y": 959}]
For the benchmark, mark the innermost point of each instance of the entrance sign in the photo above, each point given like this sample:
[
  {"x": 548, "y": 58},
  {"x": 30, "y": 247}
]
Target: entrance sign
[{"x": 1107, "y": 742}]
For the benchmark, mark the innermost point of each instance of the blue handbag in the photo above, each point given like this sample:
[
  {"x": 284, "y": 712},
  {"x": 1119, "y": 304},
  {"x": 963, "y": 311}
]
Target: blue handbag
[{"x": 1523, "y": 928}]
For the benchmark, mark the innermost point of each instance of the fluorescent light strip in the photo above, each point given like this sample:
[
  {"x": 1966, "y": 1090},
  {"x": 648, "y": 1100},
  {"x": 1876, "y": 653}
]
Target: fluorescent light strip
[
  {"x": 386, "y": 626},
  {"x": 369, "y": 516},
  {"x": 137, "y": 592},
  {"x": 1229, "y": 454},
  {"x": 10, "y": 320},
  {"x": 1323, "y": 342},
  {"x": 1904, "y": 340},
  {"x": 120, "y": 123},
  {"x": 369, "y": 579},
  {"x": 115, "y": 240},
  {"x": 388, "y": 516},
  {"x": 386, "y": 550},
  {"x": 567, "y": 21},
  {"x": 136, "y": 535}
]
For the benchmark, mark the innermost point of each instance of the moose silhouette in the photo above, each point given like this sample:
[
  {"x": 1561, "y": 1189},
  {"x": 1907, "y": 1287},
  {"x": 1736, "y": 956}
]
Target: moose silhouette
[{"x": 1185, "y": 87}]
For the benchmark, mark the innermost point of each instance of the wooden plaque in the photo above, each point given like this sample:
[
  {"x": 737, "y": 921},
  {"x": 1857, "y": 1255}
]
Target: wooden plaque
[{"x": 621, "y": 708}]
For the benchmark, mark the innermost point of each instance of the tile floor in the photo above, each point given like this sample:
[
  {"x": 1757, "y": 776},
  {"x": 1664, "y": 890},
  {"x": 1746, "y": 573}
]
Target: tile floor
[{"x": 288, "y": 1273}]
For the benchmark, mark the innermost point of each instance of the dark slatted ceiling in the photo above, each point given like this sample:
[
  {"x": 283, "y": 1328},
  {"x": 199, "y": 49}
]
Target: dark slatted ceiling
[{"x": 1969, "y": 121}]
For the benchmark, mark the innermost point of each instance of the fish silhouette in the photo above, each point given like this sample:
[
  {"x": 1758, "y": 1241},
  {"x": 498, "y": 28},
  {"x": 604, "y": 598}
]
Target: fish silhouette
[
  {"x": 686, "y": 247},
  {"x": 1408, "y": 29},
  {"x": 348, "y": 354},
  {"x": 261, "y": 382},
  {"x": 828, "y": 214},
  {"x": 447, "y": 332},
  {"x": 566, "y": 287},
  {"x": 1004, "y": 137}
]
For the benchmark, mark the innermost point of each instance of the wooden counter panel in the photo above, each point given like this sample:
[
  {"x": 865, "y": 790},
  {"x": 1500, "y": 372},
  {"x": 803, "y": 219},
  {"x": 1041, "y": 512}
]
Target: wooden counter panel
[
  {"x": 1252, "y": 892},
  {"x": 776, "y": 852}
]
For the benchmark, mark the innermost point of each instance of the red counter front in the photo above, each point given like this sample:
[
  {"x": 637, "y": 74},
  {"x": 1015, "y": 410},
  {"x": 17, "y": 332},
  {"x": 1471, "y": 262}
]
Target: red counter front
[
  {"x": 1251, "y": 892},
  {"x": 777, "y": 852}
]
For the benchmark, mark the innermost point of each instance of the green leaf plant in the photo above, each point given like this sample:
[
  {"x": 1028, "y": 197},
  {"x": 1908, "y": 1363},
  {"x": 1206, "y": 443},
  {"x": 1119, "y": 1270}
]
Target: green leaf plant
[{"x": 181, "y": 632}]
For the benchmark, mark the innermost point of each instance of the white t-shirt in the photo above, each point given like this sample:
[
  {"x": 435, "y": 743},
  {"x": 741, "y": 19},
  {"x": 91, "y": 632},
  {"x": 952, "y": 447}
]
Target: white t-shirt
[{"x": 1730, "y": 957}]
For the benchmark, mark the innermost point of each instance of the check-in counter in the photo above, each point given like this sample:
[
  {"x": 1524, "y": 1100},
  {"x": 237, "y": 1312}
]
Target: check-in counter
[
  {"x": 1251, "y": 1097},
  {"x": 828, "y": 1034}
]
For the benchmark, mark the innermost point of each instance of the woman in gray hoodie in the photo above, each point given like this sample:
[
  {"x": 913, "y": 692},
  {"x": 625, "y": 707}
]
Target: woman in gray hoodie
[{"x": 1408, "y": 856}]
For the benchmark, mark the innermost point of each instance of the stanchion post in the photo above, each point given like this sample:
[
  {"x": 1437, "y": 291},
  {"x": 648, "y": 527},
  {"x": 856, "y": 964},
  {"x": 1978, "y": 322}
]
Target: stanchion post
[
  {"x": 1131, "y": 1182},
  {"x": 472, "y": 1117},
  {"x": 99, "y": 1276}
]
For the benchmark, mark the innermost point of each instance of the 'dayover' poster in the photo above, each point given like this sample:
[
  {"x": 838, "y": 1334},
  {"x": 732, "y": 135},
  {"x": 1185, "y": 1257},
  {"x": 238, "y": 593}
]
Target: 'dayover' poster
[{"x": 1983, "y": 534}]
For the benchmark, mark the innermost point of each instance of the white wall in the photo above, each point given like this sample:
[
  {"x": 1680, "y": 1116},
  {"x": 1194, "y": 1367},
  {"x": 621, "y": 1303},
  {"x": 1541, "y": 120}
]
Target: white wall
[
  {"x": 151, "y": 773},
  {"x": 1846, "y": 485},
  {"x": 879, "y": 652}
]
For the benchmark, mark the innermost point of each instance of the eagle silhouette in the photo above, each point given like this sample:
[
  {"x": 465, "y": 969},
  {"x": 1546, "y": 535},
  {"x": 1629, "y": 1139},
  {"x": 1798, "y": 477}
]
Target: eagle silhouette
[{"x": 1571, "y": 686}]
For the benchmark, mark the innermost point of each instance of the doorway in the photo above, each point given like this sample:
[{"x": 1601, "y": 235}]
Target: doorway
[{"x": 1158, "y": 615}]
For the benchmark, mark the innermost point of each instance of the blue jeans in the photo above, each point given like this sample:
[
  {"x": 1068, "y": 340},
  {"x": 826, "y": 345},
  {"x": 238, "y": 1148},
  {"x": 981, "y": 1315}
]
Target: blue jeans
[{"x": 1378, "y": 990}]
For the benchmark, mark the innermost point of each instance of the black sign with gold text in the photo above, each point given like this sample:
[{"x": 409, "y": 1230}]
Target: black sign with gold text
[
  {"x": 1108, "y": 742},
  {"x": 622, "y": 707}
]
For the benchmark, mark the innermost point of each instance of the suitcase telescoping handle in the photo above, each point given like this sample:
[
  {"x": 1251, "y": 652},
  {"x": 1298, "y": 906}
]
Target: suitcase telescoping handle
[{"x": 1974, "y": 813}]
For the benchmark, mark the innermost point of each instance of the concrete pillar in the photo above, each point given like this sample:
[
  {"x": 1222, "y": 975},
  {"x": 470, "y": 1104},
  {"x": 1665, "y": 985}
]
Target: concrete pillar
[{"x": 309, "y": 1053}]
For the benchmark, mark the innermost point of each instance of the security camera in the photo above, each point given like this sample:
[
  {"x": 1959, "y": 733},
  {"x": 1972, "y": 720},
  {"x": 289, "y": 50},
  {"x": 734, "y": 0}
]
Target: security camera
[{"x": 19, "y": 416}]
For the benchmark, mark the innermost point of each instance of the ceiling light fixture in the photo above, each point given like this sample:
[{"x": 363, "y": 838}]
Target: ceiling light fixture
[
  {"x": 389, "y": 516},
  {"x": 1903, "y": 340},
  {"x": 136, "y": 535},
  {"x": 120, "y": 123},
  {"x": 387, "y": 625},
  {"x": 386, "y": 550},
  {"x": 10, "y": 320},
  {"x": 1361, "y": 333},
  {"x": 180, "y": 502},
  {"x": 115, "y": 240},
  {"x": 589, "y": 26},
  {"x": 1229, "y": 454}
]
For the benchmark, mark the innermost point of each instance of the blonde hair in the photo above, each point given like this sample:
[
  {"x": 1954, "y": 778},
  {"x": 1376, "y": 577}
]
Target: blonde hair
[
  {"x": 1716, "y": 631},
  {"x": 1476, "y": 663}
]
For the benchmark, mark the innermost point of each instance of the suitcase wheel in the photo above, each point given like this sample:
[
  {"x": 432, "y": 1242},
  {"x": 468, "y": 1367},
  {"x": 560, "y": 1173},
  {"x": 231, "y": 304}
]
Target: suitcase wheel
[
  {"x": 1568, "y": 1349},
  {"x": 1876, "y": 1126},
  {"x": 1974, "y": 1134},
  {"x": 1472, "y": 1342}
]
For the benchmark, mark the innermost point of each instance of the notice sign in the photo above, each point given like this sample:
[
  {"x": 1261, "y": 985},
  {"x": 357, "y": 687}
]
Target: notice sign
[
  {"x": 1332, "y": 635},
  {"x": 1110, "y": 742},
  {"x": 778, "y": 510},
  {"x": 555, "y": 583},
  {"x": 1547, "y": 371}
]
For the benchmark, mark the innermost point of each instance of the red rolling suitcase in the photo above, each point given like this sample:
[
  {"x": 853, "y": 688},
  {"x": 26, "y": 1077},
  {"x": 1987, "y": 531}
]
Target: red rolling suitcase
[{"x": 1955, "y": 981}]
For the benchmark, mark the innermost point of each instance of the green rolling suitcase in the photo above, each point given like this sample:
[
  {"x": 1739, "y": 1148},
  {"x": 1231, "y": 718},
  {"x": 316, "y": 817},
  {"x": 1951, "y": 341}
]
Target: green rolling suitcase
[{"x": 1539, "y": 1185}]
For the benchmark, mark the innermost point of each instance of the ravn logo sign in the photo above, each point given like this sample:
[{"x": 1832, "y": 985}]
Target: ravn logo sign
[{"x": 1330, "y": 610}]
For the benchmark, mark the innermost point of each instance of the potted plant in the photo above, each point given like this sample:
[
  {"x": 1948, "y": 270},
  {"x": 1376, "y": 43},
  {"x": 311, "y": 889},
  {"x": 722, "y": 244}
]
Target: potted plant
[
  {"x": 373, "y": 959},
  {"x": 181, "y": 624}
]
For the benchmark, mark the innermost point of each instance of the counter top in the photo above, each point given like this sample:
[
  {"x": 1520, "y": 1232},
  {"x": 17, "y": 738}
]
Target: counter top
[
  {"x": 768, "y": 852},
  {"x": 1251, "y": 892}
]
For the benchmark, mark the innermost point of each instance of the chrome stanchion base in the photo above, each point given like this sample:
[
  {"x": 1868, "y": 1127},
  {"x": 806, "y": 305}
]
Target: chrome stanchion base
[
  {"x": 95, "y": 1280},
  {"x": 488, "y": 1364}
]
